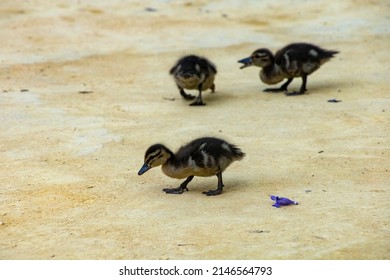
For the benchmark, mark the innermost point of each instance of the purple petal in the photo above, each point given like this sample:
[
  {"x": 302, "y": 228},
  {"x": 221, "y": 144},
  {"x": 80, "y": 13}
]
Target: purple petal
[
  {"x": 285, "y": 201},
  {"x": 282, "y": 201}
]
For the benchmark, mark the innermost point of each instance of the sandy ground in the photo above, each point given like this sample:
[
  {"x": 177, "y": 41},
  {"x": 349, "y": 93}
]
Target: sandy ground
[{"x": 85, "y": 89}]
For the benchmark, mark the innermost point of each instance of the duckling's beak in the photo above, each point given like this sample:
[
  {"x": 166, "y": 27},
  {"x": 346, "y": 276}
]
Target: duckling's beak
[
  {"x": 143, "y": 169},
  {"x": 246, "y": 61},
  {"x": 187, "y": 75}
]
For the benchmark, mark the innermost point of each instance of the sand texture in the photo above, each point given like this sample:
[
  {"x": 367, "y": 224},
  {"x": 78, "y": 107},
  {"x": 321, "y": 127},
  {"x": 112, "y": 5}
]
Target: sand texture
[{"x": 85, "y": 90}]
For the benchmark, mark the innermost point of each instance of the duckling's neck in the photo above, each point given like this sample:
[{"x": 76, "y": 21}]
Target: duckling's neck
[{"x": 271, "y": 74}]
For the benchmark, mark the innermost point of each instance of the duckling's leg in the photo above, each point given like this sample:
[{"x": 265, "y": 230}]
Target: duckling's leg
[
  {"x": 181, "y": 188},
  {"x": 219, "y": 189},
  {"x": 198, "y": 101},
  {"x": 185, "y": 95},
  {"x": 302, "y": 90},
  {"x": 282, "y": 88},
  {"x": 212, "y": 88}
]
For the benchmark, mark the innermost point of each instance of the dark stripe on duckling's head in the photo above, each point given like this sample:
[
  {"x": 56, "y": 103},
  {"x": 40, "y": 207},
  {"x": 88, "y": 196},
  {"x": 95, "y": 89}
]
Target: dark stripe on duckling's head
[{"x": 153, "y": 152}]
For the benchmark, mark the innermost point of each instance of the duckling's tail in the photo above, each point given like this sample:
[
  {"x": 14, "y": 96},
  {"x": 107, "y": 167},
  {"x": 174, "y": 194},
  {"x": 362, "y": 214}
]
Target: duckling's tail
[
  {"x": 331, "y": 53},
  {"x": 237, "y": 153},
  {"x": 327, "y": 55}
]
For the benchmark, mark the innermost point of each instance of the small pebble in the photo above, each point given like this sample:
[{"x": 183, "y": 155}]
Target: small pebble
[
  {"x": 334, "y": 100},
  {"x": 149, "y": 9},
  {"x": 259, "y": 231}
]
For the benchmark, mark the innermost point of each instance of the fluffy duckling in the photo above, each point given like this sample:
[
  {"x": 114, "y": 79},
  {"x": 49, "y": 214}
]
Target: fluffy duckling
[
  {"x": 194, "y": 72},
  {"x": 202, "y": 157},
  {"x": 294, "y": 60}
]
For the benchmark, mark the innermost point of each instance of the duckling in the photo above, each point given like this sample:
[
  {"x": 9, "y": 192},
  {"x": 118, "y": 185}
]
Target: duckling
[
  {"x": 292, "y": 61},
  {"x": 194, "y": 72},
  {"x": 202, "y": 157}
]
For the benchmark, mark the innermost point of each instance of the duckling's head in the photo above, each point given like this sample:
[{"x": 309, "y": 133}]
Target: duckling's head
[
  {"x": 188, "y": 74},
  {"x": 156, "y": 155},
  {"x": 261, "y": 58}
]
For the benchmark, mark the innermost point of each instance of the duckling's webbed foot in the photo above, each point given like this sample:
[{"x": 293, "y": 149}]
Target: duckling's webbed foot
[
  {"x": 178, "y": 190},
  {"x": 185, "y": 95},
  {"x": 213, "y": 192},
  {"x": 198, "y": 101},
  {"x": 294, "y": 93},
  {"x": 181, "y": 188},
  {"x": 274, "y": 90},
  {"x": 219, "y": 189},
  {"x": 282, "y": 88}
]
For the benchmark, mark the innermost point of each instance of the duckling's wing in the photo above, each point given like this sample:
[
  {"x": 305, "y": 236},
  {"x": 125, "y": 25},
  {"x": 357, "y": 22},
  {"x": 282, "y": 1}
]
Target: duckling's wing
[
  {"x": 301, "y": 53},
  {"x": 293, "y": 52},
  {"x": 208, "y": 152},
  {"x": 206, "y": 66},
  {"x": 189, "y": 150},
  {"x": 301, "y": 59},
  {"x": 211, "y": 66}
]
